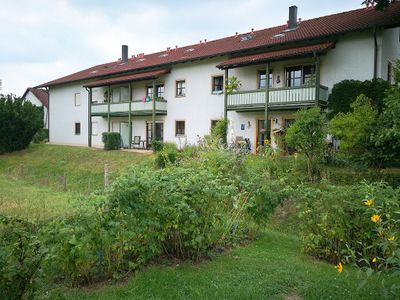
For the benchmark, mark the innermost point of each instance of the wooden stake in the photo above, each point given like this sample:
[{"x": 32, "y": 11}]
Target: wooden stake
[{"x": 106, "y": 178}]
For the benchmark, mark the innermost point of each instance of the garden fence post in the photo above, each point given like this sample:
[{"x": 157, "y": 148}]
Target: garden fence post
[{"x": 106, "y": 179}]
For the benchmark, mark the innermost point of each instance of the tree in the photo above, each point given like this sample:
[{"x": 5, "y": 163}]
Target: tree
[
  {"x": 379, "y": 4},
  {"x": 19, "y": 121},
  {"x": 354, "y": 129},
  {"x": 387, "y": 138},
  {"x": 307, "y": 135},
  {"x": 346, "y": 91}
]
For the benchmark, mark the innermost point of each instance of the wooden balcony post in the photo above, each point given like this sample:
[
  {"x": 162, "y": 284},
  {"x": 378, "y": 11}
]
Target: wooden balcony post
[
  {"x": 130, "y": 115},
  {"x": 266, "y": 99},
  {"x": 317, "y": 78},
  {"x": 225, "y": 95},
  {"x": 90, "y": 118},
  {"x": 153, "y": 128},
  {"x": 108, "y": 108}
]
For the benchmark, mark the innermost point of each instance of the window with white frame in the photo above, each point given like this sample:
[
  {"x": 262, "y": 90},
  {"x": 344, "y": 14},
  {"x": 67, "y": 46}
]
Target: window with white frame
[
  {"x": 180, "y": 88},
  {"x": 77, "y": 98}
]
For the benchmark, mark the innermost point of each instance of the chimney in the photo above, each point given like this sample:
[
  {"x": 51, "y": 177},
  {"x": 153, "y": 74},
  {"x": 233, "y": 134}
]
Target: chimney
[
  {"x": 124, "y": 53},
  {"x": 292, "y": 17}
]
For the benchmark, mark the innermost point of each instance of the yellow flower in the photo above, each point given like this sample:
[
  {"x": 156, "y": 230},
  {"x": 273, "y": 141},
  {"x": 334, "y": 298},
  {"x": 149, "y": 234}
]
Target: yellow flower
[
  {"x": 266, "y": 142},
  {"x": 339, "y": 267},
  {"x": 374, "y": 260},
  {"x": 368, "y": 202},
  {"x": 391, "y": 238},
  {"x": 375, "y": 218}
]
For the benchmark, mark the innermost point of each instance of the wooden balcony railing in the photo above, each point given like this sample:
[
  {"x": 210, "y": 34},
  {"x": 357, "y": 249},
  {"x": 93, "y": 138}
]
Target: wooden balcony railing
[
  {"x": 137, "y": 107},
  {"x": 291, "y": 97}
]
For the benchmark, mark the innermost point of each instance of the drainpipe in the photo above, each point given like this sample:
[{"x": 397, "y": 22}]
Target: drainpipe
[
  {"x": 375, "y": 54},
  {"x": 89, "y": 90},
  {"x": 48, "y": 110},
  {"x": 108, "y": 108},
  {"x": 153, "y": 115},
  {"x": 266, "y": 100},
  {"x": 226, "y": 103},
  {"x": 130, "y": 115}
]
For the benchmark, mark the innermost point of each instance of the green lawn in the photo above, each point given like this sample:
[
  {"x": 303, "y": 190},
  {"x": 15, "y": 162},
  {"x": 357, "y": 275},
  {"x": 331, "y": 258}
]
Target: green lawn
[
  {"x": 38, "y": 189},
  {"x": 83, "y": 167},
  {"x": 272, "y": 267}
]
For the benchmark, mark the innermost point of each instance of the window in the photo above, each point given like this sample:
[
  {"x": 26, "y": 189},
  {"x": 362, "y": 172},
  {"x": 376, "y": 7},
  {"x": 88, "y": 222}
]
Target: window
[
  {"x": 389, "y": 72},
  {"x": 149, "y": 91},
  {"x": 217, "y": 84},
  {"x": 299, "y": 75},
  {"x": 77, "y": 128},
  {"x": 181, "y": 88},
  {"x": 159, "y": 89},
  {"x": 124, "y": 93},
  {"x": 262, "y": 79},
  {"x": 77, "y": 99},
  {"x": 95, "y": 129},
  {"x": 289, "y": 122},
  {"x": 179, "y": 128}
]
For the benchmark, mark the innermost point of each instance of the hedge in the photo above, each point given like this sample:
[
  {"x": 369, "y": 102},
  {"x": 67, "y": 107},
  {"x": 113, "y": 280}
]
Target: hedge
[{"x": 111, "y": 140}]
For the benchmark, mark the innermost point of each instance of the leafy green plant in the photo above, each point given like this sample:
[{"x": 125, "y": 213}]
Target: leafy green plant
[
  {"x": 307, "y": 135},
  {"x": 41, "y": 136},
  {"x": 111, "y": 140},
  {"x": 219, "y": 131},
  {"x": 167, "y": 155},
  {"x": 233, "y": 85},
  {"x": 21, "y": 256}
]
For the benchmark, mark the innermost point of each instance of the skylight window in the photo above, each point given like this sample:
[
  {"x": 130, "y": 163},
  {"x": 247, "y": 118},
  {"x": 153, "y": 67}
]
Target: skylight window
[
  {"x": 164, "y": 55},
  {"x": 94, "y": 72},
  {"x": 246, "y": 37},
  {"x": 279, "y": 35},
  {"x": 141, "y": 59},
  {"x": 189, "y": 50}
]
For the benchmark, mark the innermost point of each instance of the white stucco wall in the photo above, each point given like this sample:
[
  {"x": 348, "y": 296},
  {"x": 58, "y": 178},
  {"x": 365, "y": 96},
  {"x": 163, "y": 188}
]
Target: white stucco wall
[{"x": 64, "y": 114}]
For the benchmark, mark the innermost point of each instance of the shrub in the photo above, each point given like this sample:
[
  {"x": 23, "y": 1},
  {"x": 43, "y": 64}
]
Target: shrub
[
  {"x": 111, "y": 140},
  {"x": 167, "y": 155},
  {"x": 41, "y": 136},
  {"x": 307, "y": 135},
  {"x": 354, "y": 130},
  {"x": 19, "y": 122},
  {"x": 345, "y": 92},
  {"x": 21, "y": 255},
  {"x": 357, "y": 224},
  {"x": 157, "y": 146},
  {"x": 219, "y": 131}
]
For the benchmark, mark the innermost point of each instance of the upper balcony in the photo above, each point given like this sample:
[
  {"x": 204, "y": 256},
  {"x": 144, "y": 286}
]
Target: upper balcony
[
  {"x": 135, "y": 107},
  {"x": 279, "y": 98}
]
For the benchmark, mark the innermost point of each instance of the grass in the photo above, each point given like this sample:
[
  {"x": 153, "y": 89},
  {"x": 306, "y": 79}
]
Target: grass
[
  {"x": 37, "y": 190},
  {"x": 272, "y": 267},
  {"x": 83, "y": 167}
]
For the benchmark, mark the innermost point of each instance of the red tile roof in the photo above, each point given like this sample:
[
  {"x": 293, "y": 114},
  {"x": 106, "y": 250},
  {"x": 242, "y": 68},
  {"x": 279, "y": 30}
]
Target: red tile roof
[
  {"x": 126, "y": 78},
  {"x": 273, "y": 55},
  {"x": 323, "y": 27},
  {"x": 40, "y": 94}
]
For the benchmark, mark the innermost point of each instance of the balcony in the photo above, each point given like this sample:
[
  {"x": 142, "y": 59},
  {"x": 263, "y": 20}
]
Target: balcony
[
  {"x": 279, "y": 98},
  {"x": 137, "y": 108}
]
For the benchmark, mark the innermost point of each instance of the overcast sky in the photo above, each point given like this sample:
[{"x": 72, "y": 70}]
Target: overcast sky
[{"x": 41, "y": 40}]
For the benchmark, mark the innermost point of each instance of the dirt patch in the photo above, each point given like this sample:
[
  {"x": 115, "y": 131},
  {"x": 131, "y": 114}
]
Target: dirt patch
[{"x": 292, "y": 296}]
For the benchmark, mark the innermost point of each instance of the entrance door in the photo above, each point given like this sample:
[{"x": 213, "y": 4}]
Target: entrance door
[
  {"x": 159, "y": 132},
  {"x": 261, "y": 134},
  {"x": 124, "y": 132}
]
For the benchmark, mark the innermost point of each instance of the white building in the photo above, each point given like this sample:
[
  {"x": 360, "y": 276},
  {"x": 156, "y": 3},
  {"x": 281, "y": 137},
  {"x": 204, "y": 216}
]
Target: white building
[
  {"x": 39, "y": 98},
  {"x": 304, "y": 58}
]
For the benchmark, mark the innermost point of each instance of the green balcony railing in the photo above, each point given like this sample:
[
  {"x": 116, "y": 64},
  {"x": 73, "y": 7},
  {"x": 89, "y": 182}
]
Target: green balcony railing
[{"x": 278, "y": 97}]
